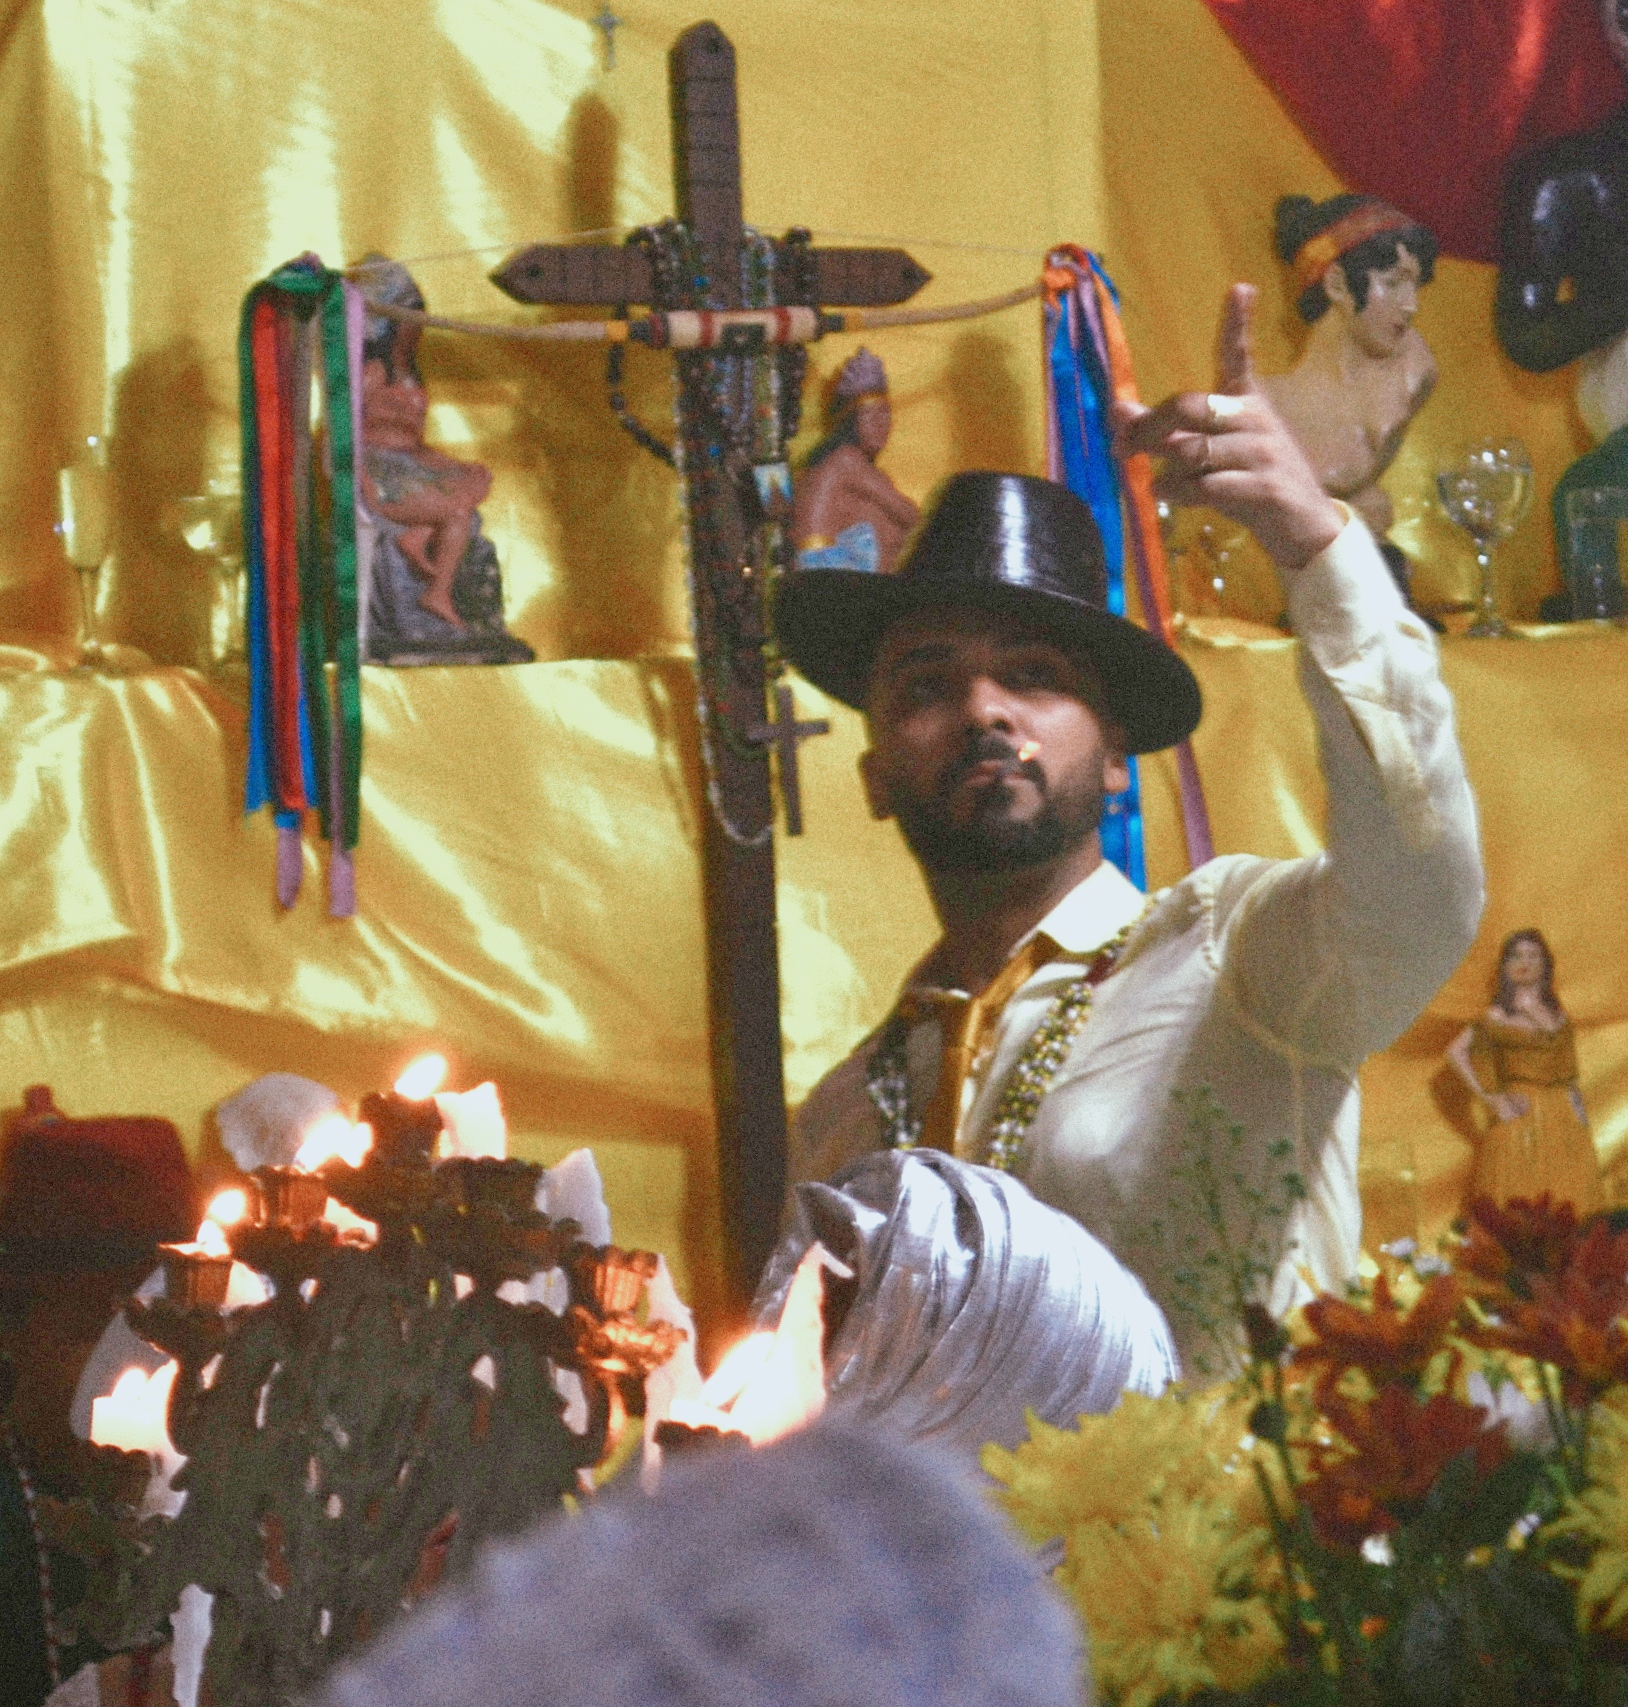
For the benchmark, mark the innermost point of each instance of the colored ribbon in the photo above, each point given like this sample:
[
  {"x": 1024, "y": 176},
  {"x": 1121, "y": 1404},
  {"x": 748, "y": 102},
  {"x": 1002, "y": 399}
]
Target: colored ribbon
[
  {"x": 305, "y": 729},
  {"x": 1147, "y": 544},
  {"x": 1079, "y": 454}
]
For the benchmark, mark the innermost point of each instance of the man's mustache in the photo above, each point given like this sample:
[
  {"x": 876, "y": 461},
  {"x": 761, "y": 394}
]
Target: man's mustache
[{"x": 988, "y": 747}]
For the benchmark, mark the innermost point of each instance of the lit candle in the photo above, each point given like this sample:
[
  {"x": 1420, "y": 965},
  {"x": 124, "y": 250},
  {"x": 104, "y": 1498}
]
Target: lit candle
[
  {"x": 132, "y": 1416},
  {"x": 334, "y": 1138},
  {"x": 406, "y": 1122},
  {"x": 227, "y": 1208},
  {"x": 290, "y": 1199},
  {"x": 784, "y": 1388},
  {"x": 473, "y": 1122},
  {"x": 196, "y": 1275}
]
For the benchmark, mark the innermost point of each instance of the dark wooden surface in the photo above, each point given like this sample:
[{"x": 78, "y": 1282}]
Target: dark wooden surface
[{"x": 730, "y": 555}]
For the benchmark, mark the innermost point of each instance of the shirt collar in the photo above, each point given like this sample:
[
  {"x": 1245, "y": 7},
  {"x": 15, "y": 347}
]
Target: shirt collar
[{"x": 1094, "y": 911}]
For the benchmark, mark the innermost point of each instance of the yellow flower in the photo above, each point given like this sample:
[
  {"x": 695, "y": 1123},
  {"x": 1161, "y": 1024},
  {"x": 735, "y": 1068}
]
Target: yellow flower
[
  {"x": 1114, "y": 1468},
  {"x": 1600, "y": 1514},
  {"x": 1152, "y": 1598}
]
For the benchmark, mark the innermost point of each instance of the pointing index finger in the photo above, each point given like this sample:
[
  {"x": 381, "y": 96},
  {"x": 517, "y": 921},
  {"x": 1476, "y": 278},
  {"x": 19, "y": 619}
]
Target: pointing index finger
[{"x": 1235, "y": 367}]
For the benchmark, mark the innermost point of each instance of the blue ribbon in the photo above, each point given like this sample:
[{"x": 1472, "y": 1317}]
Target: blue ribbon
[{"x": 1080, "y": 396}]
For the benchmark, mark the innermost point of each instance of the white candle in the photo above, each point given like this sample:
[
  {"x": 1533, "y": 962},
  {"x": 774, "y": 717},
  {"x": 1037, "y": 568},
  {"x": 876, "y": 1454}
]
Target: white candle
[
  {"x": 474, "y": 1123},
  {"x": 132, "y": 1416}
]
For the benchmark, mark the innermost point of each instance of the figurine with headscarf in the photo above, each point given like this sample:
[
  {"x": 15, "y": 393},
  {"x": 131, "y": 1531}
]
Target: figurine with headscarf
[
  {"x": 1364, "y": 372},
  {"x": 847, "y": 514},
  {"x": 434, "y": 590}
]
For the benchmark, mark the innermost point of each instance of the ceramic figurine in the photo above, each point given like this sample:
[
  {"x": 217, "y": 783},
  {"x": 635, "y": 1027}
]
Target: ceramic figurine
[
  {"x": 1364, "y": 372},
  {"x": 847, "y": 513},
  {"x": 1520, "y": 1059},
  {"x": 1563, "y": 297},
  {"x": 435, "y": 592}
]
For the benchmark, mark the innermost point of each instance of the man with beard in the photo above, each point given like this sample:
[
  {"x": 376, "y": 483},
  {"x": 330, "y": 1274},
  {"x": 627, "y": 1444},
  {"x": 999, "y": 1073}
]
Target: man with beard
[{"x": 1064, "y": 1023}]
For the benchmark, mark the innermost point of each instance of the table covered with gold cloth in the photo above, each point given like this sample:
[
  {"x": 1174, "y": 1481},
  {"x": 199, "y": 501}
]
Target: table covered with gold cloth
[{"x": 530, "y": 901}]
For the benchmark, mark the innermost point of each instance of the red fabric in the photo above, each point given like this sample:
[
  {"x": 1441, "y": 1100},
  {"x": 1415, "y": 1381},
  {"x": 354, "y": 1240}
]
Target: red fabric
[
  {"x": 1425, "y": 102},
  {"x": 74, "y": 1180},
  {"x": 273, "y": 366}
]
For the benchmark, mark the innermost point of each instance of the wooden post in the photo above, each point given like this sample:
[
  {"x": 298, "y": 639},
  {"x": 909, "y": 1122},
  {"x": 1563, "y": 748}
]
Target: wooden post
[{"x": 738, "y": 408}]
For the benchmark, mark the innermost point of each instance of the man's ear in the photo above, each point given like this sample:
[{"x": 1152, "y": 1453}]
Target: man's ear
[
  {"x": 1116, "y": 771},
  {"x": 876, "y": 794}
]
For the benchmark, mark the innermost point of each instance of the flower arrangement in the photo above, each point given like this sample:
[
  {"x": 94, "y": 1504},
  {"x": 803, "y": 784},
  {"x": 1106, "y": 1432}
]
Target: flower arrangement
[{"x": 1417, "y": 1493}]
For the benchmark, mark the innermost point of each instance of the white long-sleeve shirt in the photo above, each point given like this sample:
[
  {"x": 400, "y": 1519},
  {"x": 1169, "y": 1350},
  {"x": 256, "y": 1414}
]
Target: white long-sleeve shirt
[{"x": 1265, "y": 982}]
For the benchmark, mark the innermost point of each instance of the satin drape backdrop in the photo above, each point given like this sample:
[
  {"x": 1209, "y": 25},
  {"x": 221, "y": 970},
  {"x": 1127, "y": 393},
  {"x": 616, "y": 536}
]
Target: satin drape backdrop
[{"x": 529, "y": 892}]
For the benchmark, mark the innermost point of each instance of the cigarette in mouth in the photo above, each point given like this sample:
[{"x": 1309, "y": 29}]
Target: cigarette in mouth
[{"x": 1029, "y": 750}]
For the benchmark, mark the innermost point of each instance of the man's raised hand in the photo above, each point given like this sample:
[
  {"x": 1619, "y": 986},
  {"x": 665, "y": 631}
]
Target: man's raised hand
[{"x": 1228, "y": 450}]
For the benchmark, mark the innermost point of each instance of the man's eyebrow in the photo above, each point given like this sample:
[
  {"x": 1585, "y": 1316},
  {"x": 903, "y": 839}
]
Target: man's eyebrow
[{"x": 924, "y": 652}]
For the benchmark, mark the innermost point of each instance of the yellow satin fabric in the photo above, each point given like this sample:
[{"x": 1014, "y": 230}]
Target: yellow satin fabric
[
  {"x": 160, "y": 157},
  {"x": 530, "y": 890},
  {"x": 531, "y": 903},
  {"x": 1543, "y": 722}
]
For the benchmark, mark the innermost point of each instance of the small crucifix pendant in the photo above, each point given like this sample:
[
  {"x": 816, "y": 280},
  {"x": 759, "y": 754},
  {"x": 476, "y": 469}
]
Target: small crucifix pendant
[
  {"x": 783, "y": 735},
  {"x": 607, "y": 22}
]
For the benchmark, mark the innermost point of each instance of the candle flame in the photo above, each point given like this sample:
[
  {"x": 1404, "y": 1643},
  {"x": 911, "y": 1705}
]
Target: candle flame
[
  {"x": 211, "y": 1240},
  {"x": 422, "y": 1078},
  {"x": 334, "y": 1136},
  {"x": 786, "y": 1389},
  {"x": 769, "y": 1384},
  {"x": 226, "y": 1209},
  {"x": 131, "y": 1417},
  {"x": 737, "y": 1366}
]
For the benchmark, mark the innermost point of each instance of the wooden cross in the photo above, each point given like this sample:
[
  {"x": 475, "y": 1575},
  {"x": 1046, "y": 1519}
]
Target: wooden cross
[{"x": 739, "y": 409}]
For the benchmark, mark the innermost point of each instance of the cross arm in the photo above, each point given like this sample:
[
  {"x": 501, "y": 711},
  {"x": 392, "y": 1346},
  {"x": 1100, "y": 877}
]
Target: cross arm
[{"x": 585, "y": 274}]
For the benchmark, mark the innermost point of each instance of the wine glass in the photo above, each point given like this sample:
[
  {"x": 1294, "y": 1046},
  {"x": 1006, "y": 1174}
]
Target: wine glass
[
  {"x": 1485, "y": 488},
  {"x": 82, "y": 525},
  {"x": 211, "y": 525}
]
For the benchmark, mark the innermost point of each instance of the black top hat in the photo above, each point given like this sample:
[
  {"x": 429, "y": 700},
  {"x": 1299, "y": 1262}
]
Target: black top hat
[{"x": 1003, "y": 543}]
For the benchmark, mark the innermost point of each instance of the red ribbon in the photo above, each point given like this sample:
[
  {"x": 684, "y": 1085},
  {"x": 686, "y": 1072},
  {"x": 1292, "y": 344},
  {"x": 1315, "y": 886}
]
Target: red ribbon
[
  {"x": 273, "y": 364},
  {"x": 1152, "y": 568}
]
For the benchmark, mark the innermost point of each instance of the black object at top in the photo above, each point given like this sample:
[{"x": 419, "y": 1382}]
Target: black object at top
[
  {"x": 1563, "y": 248},
  {"x": 1009, "y": 544}
]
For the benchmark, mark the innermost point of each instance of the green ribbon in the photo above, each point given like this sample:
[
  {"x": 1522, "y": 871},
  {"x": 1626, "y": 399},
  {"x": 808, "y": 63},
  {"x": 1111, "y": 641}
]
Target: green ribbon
[{"x": 328, "y": 556}]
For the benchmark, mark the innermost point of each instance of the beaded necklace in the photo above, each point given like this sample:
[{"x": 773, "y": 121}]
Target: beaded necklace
[{"x": 888, "y": 1082}]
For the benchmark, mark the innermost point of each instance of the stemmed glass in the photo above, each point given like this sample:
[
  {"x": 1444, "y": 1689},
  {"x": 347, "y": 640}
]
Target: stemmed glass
[
  {"x": 82, "y": 525},
  {"x": 211, "y": 524},
  {"x": 1486, "y": 488}
]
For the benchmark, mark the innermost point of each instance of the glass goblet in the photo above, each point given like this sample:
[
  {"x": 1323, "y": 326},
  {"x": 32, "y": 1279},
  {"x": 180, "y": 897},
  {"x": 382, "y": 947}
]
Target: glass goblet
[
  {"x": 82, "y": 525},
  {"x": 1486, "y": 488},
  {"x": 211, "y": 524}
]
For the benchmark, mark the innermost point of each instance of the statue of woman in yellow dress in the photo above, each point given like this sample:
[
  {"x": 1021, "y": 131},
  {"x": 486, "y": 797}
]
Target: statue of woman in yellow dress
[{"x": 1520, "y": 1058}]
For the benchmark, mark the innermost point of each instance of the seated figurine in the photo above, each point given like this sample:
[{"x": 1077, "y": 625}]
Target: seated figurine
[
  {"x": 847, "y": 514},
  {"x": 435, "y": 594}
]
